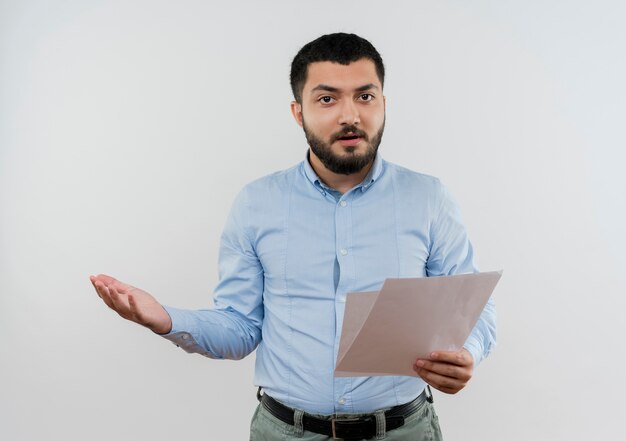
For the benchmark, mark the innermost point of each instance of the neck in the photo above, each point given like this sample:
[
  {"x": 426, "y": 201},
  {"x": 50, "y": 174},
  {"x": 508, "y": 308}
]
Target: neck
[{"x": 339, "y": 182}]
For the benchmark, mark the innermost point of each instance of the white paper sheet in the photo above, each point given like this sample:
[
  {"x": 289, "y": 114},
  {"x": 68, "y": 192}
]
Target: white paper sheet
[{"x": 385, "y": 332}]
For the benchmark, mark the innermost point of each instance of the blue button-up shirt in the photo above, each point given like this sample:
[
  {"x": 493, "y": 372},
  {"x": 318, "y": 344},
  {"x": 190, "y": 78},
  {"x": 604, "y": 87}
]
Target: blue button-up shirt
[{"x": 292, "y": 249}]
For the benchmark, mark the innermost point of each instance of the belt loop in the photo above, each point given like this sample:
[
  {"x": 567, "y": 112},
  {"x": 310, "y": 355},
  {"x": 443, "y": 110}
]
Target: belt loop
[
  {"x": 258, "y": 394},
  {"x": 298, "y": 428},
  {"x": 381, "y": 425},
  {"x": 429, "y": 395}
]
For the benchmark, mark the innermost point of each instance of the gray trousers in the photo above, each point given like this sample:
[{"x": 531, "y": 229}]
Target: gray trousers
[{"x": 423, "y": 425}]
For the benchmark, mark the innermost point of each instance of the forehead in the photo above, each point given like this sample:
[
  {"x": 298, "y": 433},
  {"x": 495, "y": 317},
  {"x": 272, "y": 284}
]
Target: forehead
[{"x": 340, "y": 76}]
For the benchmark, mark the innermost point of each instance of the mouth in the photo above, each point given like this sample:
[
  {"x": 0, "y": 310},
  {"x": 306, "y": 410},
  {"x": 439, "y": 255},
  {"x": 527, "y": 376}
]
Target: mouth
[{"x": 349, "y": 139}]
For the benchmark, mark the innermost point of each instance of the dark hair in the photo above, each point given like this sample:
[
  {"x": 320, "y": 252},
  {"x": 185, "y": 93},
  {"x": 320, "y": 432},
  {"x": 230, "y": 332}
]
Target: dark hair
[{"x": 339, "y": 48}]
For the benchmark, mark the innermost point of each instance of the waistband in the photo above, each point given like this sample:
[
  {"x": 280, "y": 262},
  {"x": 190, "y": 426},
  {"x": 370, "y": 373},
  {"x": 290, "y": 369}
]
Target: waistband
[{"x": 347, "y": 427}]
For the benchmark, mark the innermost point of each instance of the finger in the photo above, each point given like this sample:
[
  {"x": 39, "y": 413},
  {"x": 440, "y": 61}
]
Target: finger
[
  {"x": 92, "y": 279},
  {"x": 441, "y": 382},
  {"x": 445, "y": 369},
  {"x": 104, "y": 294},
  {"x": 459, "y": 358},
  {"x": 446, "y": 390},
  {"x": 100, "y": 288},
  {"x": 134, "y": 310},
  {"x": 107, "y": 280},
  {"x": 111, "y": 281},
  {"x": 119, "y": 300}
]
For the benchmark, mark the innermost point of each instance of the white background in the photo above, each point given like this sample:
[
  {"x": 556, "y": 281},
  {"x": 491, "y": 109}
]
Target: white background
[{"x": 126, "y": 128}]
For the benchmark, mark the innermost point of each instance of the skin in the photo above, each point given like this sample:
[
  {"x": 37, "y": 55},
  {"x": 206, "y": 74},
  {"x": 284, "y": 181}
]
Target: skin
[
  {"x": 132, "y": 303},
  {"x": 333, "y": 97},
  {"x": 357, "y": 99},
  {"x": 446, "y": 371}
]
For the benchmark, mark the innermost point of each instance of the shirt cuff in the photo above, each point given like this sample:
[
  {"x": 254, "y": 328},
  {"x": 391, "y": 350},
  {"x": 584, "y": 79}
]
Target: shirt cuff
[
  {"x": 180, "y": 321},
  {"x": 183, "y": 328},
  {"x": 472, "y": 344}
]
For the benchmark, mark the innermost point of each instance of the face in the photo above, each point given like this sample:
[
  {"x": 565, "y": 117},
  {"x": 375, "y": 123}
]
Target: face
[{"x": 342, "y": 114}]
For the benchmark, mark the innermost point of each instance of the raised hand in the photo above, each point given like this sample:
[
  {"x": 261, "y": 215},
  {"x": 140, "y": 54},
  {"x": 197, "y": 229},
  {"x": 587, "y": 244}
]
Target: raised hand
[
  {"x": 132, "y": 303},
  {"x": 446, "y": 371}
]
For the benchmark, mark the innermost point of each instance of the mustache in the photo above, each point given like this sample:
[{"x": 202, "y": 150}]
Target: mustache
[{"x": 350, "y": 129}]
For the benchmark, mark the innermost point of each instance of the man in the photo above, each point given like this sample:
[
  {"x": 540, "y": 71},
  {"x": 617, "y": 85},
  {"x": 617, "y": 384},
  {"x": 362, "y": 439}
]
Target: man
[{"x": 297, "y": 241}]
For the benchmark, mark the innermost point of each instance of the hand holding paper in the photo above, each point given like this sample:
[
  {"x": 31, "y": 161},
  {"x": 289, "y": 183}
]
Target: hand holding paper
[
  {"x": 385, "y": 332},
  {"x": 448, "y": 372}
]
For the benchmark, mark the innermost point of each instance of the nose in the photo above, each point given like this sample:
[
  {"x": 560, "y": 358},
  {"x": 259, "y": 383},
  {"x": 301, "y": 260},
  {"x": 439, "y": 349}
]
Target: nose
[{"x": 349, "y": 113}]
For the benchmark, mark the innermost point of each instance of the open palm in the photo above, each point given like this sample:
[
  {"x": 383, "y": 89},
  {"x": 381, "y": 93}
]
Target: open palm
[{"x": 132, "y": 303}]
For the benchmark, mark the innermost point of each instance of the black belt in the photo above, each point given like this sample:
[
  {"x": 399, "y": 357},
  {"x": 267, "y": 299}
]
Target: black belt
[{"x": 363, "y": 427}]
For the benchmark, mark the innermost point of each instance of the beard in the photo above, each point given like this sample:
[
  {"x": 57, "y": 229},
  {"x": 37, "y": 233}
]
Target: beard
[{"x": 351, "y": 162}]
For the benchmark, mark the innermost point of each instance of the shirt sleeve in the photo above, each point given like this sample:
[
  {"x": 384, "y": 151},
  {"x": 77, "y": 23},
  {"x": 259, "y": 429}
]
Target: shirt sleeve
[
  {"x": 451, "y": 253},
  {"x": 232, "y": 329}
]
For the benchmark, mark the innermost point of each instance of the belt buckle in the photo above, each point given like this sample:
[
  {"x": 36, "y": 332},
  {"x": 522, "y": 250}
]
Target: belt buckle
[{"x": 333, "y": 422}]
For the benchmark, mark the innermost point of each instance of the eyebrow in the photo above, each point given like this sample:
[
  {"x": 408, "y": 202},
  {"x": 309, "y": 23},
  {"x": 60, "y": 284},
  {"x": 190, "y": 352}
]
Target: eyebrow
[{"x": 334, "y": 89}]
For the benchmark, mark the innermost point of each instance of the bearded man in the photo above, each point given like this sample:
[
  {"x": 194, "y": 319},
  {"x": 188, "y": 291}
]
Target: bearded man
[{"x": 297, "y": 241}]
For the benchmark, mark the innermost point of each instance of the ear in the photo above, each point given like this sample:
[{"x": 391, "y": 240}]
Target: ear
[
  {"x": 384, "y": 102},
  {"x": 296, "y": 111}
]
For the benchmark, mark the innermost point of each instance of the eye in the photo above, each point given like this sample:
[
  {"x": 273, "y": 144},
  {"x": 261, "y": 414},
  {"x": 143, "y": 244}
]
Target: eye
[
  {"x": 366, "y": 97},
  {"x": 326, "y": 99}
]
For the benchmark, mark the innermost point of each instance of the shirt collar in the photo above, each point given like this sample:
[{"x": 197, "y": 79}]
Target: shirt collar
[{"x": 372, "y": 175}]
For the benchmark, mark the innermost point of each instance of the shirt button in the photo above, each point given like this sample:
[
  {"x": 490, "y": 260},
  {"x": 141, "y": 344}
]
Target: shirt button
[
  {"x": 185, "y": 336},
  {"x": 344, "y": 252},
  {"x": 343, "y": 203},
  {"x": 342, "y": 401}
]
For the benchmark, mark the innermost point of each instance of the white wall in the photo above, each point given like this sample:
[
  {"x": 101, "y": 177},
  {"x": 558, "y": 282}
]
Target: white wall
[{"x": 127, "y": 127}]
